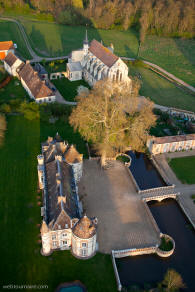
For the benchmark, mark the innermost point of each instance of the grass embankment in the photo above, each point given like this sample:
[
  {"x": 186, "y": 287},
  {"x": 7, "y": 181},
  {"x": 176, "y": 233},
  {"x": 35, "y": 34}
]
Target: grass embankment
[
  {"x": 10, "y": 31},
  {"x": 184, "y": 169},
  {"x": 20, "y": 214},
  {"x": 160, "y": 90},
  {"x": 68, "y": 89}
]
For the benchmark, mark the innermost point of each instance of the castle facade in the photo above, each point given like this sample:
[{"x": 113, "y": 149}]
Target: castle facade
[{"x": 63, "y": 227}]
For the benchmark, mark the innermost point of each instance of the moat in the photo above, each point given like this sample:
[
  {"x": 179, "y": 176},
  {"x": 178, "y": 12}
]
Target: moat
[
  {"x": 151, "y": 269},
  {"x": 144, "y": 172}
]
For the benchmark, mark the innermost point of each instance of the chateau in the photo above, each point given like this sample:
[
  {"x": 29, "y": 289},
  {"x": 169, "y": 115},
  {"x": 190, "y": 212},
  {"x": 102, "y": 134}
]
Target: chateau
[
  {"x": 63, "y": 227},
  {"x": 95, "y": 62}
]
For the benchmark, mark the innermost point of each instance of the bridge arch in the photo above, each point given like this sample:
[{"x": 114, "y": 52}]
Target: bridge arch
[{"x": 160, "y": 197}]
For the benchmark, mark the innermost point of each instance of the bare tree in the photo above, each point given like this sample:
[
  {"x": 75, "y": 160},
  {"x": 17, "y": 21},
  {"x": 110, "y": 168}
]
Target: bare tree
[
  {"x": 144, "y": 23},
  {"x": 2, "y": 128},
  {"x": 112, "y": 117},
  {"x": 173, "y": 281}
]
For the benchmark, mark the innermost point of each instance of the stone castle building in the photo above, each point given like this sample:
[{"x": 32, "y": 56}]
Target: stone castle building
[
  {"x": 63, "y": 227},
  {"x": 95, "y": 62}
]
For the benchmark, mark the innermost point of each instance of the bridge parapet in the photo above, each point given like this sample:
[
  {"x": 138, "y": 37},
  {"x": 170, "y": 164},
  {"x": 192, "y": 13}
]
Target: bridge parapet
[{"x": 159, "y": 197}]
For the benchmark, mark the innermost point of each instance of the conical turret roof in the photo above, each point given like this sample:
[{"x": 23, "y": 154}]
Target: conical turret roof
[
  {"x": 85, "y": 228},
  {"x": 72, "y": 155},
  {"x": 44, "y": 227}
]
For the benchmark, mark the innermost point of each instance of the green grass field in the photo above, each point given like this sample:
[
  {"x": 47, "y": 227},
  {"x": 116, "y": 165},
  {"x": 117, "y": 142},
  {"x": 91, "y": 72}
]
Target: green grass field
[
  {"x": 161, "y": 91},
  {"x": 13, "y": 90},
  {"x": 68, "y": 89},
  {"x": 50, "y": 39},
  {"x": 20, "y": 214},
  {"x": 174, "y": 55},
  {"x": 184, "y": 169},
  {"x": 10, "y": 31}
]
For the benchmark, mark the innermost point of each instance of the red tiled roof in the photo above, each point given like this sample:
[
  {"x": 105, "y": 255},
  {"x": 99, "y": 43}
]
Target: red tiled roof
[
  {"x": 103, "y": 53},
  {"x": 170, "y": 139},
  {"x": 6, "y": 45},
  {"x": 34, "y": 83},
  {"x": 10, "y": 59}
]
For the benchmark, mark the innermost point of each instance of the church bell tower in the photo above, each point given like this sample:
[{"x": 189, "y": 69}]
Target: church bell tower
[{"x": 85, "y": 44}]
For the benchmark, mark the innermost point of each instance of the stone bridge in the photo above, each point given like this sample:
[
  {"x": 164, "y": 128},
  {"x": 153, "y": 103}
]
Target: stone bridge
[{"x": 159, "y": 195}]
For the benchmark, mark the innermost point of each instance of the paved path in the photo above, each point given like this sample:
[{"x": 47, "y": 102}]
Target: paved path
[
  {"x": 123, "y": 219},
  {"x": 165, "y": 72},
  {"x": 60, "y": 99},
  {"x": 35, "y": 57}
]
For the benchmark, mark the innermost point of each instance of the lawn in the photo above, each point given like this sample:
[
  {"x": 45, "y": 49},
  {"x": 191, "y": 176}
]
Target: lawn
[
  {"x": 173, "y": 54},
  {"x": 10, "y": 31},
  {"x": 184, "y": 169},
  {"x": 176, "y": 55},
  {"x": 20, "y": 214},
  {"x": 161, "y": 91},
  {"x": 50, "y": 39},
  {"x": 68, "y": 89},
  {"x": 13, "y": 90}
]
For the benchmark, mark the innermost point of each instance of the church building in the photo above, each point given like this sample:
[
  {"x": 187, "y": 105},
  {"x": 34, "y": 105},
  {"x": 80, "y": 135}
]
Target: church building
[
  {"x": 64, "y": 226},
  {"x": 96, "y": 62}
]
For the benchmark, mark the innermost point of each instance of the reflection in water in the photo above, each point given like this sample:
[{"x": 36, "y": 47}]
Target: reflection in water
[
  {"x": 151, "y": 268},
  {"x": 144, "y": 172}
]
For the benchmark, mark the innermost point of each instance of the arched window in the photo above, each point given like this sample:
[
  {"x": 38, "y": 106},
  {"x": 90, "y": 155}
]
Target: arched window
[{"x": 117, "y": 75}]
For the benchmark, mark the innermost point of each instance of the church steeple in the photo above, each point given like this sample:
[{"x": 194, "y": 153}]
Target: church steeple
[
  {"x": 86, "y": 44},
  {"x": 86, "y": 38}
]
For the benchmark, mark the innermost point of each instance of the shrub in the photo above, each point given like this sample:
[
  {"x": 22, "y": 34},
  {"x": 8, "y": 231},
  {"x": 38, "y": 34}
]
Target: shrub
[
  {"x": 5, "y": 108},
  {"x": 30, "y": 110}
]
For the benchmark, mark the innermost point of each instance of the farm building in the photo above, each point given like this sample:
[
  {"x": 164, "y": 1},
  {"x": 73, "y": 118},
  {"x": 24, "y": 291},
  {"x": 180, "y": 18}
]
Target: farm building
[
  {"x": 11, "y": 63},
  {"x": 6, "y": 48}
]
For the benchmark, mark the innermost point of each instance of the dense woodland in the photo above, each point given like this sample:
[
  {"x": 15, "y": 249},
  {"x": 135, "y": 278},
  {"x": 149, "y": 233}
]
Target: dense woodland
[{"x": 161, "y": 17}]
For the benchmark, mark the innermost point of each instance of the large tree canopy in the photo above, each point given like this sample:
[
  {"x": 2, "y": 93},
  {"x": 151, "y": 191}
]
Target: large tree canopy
[{"x": 112, "y": 117}]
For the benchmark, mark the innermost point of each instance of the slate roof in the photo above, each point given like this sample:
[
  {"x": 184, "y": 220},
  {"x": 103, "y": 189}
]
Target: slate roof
[
  {"x": 37, "y": 87},
  {"x": 6, "y": 45},
  {"x": 103, "y": 53},
  {"x": 57, "y": 146},
  {"x": 61, "y": 197},
  {"x": 75, "y": 66},
  {"x": 10, "y": 59},
  {"x": 62, "y": 204},
  {"x": 84, "y": 228},
  {"x": 170, "y": 139}
]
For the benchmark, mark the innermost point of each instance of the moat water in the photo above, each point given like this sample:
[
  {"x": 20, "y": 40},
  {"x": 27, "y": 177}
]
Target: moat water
[
  {"x": 144, "y": 172},
  {"x": 150, "y": 269}
]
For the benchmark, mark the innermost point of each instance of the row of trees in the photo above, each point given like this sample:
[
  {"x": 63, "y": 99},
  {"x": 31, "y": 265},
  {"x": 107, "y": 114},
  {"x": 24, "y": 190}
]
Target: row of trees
[{"x": 162, "y": 17}]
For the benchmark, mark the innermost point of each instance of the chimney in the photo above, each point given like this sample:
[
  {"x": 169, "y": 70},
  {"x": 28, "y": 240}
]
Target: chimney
[{"x": 27, "y": 62}]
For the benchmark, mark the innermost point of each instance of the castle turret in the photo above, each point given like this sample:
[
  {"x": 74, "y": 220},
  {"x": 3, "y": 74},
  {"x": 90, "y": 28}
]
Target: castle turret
[
  {"x": 40, "y": 168},
  {"x": 84, "y": 237},
  {"x": 45, "y": 235},
  {"x": 86, "y": 44}
]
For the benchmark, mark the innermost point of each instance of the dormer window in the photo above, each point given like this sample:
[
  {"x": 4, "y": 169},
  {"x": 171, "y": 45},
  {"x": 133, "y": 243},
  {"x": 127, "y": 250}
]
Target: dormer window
[{"x": 66, "y": 225}]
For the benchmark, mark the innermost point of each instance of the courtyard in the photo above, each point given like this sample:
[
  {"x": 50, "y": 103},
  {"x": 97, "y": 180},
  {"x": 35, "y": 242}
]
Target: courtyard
[{"x": 110, "y": 195}]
